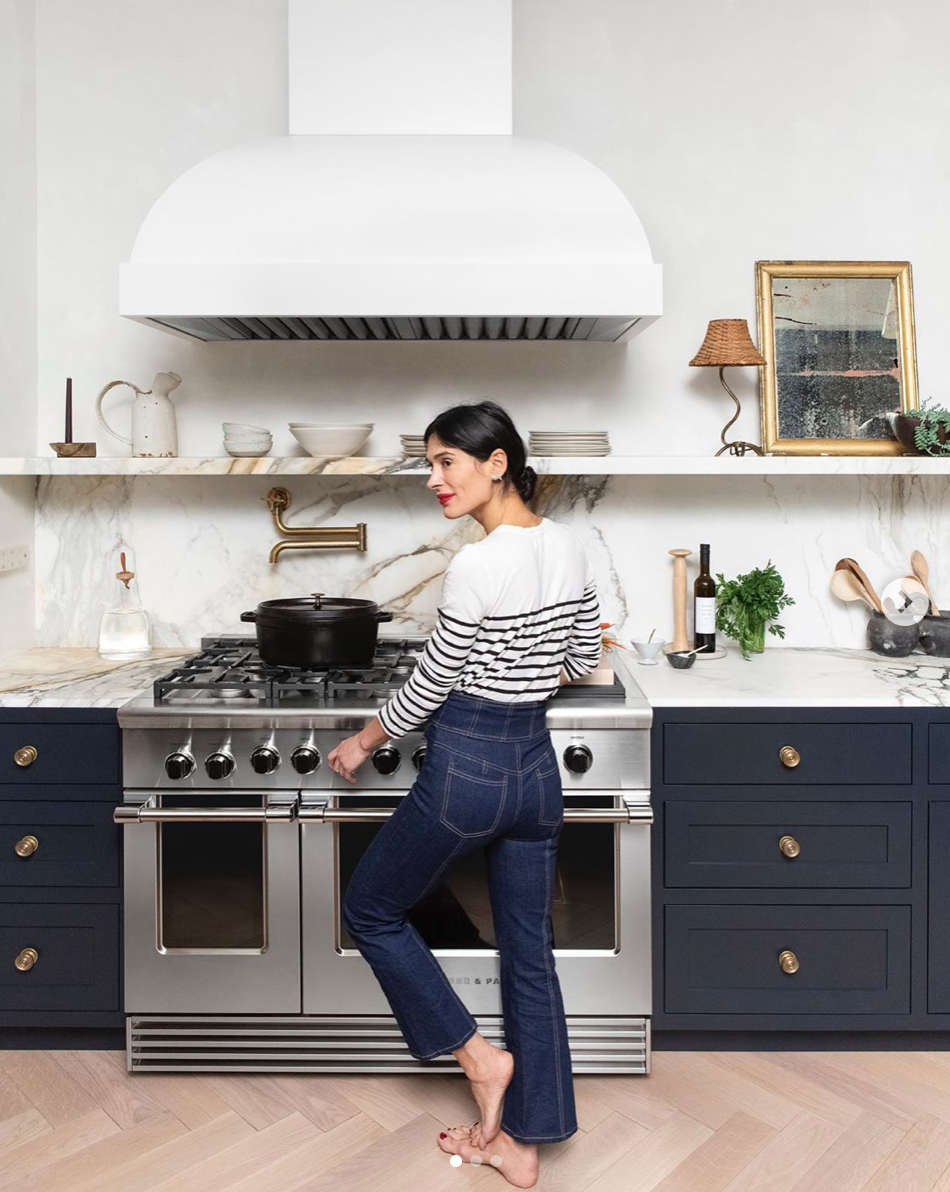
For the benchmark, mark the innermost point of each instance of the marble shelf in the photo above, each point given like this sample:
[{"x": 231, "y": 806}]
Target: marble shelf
[{"x": 390, "y": 465}]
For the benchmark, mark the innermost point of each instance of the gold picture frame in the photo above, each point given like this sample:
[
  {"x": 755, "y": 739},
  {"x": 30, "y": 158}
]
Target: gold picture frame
[{"x": 821, "y": 324}]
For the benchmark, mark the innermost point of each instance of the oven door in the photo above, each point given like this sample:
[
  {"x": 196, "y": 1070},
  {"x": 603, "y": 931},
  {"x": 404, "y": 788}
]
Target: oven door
[
  {"x": 600, "y": 914},
  {"x": 212, "y": 901}
]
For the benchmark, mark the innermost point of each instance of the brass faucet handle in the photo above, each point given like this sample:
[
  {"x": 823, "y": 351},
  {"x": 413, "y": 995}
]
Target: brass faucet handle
[{"x": 277, "y": 499}]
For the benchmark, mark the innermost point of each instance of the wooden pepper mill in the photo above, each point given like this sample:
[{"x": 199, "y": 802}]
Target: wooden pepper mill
[{"x": 680, "y": 638}]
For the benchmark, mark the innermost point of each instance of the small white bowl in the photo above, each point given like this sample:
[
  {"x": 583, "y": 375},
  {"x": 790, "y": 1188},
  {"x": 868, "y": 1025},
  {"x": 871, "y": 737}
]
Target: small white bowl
[
  {"x": 237, "y": 428},
  {"x": 246, "y": 453},
  {"x": 331, "y": 443},
  {"x": 647, "y": 650}
]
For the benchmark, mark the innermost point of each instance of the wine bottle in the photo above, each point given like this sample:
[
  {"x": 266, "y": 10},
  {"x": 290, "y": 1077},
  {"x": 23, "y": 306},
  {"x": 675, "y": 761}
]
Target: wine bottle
[{"x": 704, "y": 605}]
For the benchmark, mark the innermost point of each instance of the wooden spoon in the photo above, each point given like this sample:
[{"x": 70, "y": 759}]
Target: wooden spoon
[
  {"x": 919, "y": 567},
  {"x": 847, "y": 564},
  {"x": 846, "y": 586}
]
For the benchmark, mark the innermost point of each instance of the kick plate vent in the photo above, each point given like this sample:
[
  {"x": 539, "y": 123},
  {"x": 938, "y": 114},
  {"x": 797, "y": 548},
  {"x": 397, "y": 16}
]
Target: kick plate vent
[
  {"x": 604, "y": 330},
  {"x": 362, "y": 1043}
]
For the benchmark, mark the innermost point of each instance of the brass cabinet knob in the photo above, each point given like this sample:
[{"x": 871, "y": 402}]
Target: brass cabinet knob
[
  {"x": 789, "y": 961},
  {"x": 789, "y": 756},
  {"x": 26, "y": 755},
  {"x": 27, "y": 958},
  {"x": 26, "y": 846},
  {"x": 790, "y": 846}
]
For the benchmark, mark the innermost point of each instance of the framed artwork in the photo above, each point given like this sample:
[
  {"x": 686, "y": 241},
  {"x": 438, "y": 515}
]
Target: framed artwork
[{"x": 838, "y": 342}]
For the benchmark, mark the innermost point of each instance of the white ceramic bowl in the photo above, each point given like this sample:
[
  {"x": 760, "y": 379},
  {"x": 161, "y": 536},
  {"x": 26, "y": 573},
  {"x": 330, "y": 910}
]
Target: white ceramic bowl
[
  {"x": 247, "y": 444},
  {"x": 331, "y": 443},
  {"x": 331, "y": 426},
  {"x": 647, "y": 650},
  {"x": 241, "y": 428},
  {"x": 246, "y": 452},
  {"x": 247, "y": 440}
]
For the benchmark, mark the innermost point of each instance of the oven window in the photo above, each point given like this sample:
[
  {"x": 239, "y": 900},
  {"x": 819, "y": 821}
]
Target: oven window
[
  {"x": 212, "y": 878},
  {"x": 456, "y": 913}
]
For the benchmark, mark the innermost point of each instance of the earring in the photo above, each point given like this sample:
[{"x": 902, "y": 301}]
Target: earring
[{"x": 496, "y": 477}]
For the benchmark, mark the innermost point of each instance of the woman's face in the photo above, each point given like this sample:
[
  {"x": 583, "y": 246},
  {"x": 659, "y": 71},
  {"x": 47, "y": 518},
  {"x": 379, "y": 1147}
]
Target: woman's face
[{"x": 461, "y": 482}]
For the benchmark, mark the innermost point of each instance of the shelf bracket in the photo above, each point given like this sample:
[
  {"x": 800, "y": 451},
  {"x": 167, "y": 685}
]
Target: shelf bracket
[{"x": 310, "y": 537}]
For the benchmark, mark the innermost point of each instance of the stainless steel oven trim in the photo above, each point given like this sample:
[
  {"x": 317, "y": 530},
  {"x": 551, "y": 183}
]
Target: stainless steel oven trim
[
  {"x": 238, "y": 980},
  {"x": 335, "y": 976},
  {"x": 636, "y": 810},
  {"x": 275, "y": 809}
]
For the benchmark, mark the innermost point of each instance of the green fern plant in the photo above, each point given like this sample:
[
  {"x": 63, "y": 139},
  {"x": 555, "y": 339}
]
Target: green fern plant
[{"x": 927, "y": 433}]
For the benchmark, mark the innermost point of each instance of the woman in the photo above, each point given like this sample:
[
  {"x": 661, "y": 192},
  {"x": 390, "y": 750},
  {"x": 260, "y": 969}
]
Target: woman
[{"x": 516, "y": 607}]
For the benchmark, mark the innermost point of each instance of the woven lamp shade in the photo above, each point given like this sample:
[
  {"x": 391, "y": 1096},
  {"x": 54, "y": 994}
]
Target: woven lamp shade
[{"x": 727, "y": 342}]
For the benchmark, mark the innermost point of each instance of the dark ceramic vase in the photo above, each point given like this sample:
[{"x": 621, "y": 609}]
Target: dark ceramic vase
[
  {"x": 893, "y": 641},
  {"x": 935, "y": 635}
]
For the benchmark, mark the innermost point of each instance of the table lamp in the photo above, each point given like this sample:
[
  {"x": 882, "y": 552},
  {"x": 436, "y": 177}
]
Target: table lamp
[{"x": 729, "y": 344}]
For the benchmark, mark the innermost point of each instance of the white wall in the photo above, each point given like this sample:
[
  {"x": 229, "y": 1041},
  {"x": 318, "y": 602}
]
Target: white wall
[
  {"x": 739, "y": 130},
  {"x": 17, "y": 306}
]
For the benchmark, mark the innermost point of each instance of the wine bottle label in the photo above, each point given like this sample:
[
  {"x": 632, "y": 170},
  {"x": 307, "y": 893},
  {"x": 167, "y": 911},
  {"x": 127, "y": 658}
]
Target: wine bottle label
[{"x": 704, "y": 619}]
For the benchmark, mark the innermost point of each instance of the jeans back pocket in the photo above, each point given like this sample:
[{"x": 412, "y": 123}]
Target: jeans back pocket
[
  {"x": 547, "y": 779},
  {"x": 474, "y": 797}
]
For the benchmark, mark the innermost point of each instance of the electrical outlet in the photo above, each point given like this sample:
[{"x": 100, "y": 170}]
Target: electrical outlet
[{"x": 12, "y": 557}]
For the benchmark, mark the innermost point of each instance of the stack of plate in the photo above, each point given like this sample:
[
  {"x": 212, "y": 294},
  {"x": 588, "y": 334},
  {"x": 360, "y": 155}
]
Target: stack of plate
[
  {"x": 568, "y": 442},
  {"x": 413, "y": 444}
]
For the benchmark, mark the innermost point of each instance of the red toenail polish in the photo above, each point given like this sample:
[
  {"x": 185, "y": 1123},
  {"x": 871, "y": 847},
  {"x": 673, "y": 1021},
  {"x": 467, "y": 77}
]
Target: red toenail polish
[{"x": 443, "y": 1135}]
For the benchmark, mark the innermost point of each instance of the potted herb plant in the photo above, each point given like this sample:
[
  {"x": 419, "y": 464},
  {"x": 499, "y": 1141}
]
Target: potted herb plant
[
  {"x": 746, "y": 604},
  {"x": 925, "y": 431}
]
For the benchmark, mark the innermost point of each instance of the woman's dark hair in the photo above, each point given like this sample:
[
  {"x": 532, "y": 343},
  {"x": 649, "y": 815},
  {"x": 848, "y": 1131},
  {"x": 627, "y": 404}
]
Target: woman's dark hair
[{"x": 479, "y": 429}]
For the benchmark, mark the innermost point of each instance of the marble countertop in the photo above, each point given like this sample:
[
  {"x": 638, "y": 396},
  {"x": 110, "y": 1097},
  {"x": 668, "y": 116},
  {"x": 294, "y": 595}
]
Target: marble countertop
[
  {"x": 55, "y": 677},
  {"x": 792, "y": 677},
  {"x": 781, "y": 677}
]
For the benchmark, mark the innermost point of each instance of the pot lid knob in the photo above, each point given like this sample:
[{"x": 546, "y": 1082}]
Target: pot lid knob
[{"x": 316, "y": 599}]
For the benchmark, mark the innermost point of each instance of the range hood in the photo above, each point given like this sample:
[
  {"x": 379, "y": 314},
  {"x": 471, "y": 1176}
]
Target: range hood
[{"x": 399, "y": 207}]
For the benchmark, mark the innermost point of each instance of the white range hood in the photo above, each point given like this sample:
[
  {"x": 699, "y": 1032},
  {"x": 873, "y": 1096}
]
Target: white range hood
[{"x": 400, "y": 207}]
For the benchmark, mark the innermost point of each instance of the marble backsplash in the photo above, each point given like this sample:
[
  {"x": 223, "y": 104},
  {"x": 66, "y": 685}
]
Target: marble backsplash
[{"x": 201, "y": 545}]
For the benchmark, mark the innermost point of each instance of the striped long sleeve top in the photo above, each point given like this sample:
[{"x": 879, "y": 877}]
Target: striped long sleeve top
[{"x": 516, "y": 608}]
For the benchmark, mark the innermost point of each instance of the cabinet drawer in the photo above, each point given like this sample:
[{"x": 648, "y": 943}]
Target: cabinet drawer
[
  {"x": 939, "y": 746},
  {"x": 725, "y": 959},
  {"x": 76, "y": 844},
  {"x": 64, "y": 753},
  {"x": 714, "y": 843},
  {"x": 77, "y": 966},
  {"x": 863, "y": 754}
]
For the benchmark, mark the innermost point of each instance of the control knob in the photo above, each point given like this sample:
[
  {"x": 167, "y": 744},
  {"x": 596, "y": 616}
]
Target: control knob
[
  {"x": 179, "y": 764},
  {"x": 265, "y": 760},
  {"x": 386, "y": 759},
  {"x": 418, "y": 757},
  {"x": 578, "y": 758},
  {"x": 219, "y": 765},
  {"x": 305, "y": 759}
]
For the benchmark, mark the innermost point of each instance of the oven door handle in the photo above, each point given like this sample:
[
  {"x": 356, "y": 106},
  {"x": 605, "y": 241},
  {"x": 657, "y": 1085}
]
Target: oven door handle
[
  {"x": 280, "y": 812},
  {"x": 635, "y": 811}
]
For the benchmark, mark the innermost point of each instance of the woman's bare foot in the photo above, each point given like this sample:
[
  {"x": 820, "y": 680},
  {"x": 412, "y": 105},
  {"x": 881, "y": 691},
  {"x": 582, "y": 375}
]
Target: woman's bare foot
[
  {"x": 516, "y": 1161},
  {"x": 489, "y": 1070}
]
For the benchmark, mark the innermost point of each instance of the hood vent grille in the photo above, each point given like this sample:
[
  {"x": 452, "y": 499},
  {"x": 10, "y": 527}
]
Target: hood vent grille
[{"x": 445, "y": 327}]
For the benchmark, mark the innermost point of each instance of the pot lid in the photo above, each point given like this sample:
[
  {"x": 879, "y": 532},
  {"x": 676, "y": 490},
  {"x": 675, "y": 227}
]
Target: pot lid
[{"x": 317, "y": 607}]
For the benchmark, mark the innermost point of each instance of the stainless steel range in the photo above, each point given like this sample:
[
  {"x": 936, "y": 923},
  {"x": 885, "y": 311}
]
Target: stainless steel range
[{"x": 239, "y": 842}]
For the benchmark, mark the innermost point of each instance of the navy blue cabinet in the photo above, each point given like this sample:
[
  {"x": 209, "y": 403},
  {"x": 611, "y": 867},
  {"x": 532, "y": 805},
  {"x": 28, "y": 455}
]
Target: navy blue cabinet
[
  {"x": 801, "y": 874},
  {"x": 60, "y": 879}
]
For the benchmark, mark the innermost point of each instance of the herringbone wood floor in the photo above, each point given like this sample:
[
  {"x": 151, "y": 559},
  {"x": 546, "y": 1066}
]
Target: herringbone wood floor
[{"x": 76, "y": 1121}]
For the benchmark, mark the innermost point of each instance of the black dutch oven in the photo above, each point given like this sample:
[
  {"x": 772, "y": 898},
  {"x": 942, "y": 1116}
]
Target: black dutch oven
[{"x": 317, "y": 631}]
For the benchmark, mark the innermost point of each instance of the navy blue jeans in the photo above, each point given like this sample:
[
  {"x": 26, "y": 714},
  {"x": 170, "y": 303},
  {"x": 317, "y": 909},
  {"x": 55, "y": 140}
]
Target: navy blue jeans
[{"x": 490, "y": 781}]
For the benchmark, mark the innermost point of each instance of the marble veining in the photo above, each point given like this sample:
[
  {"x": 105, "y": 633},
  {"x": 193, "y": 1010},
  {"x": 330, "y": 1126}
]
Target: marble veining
[
  {"x": 201, "y": 545},
  {"x": 78, "y": 678}
]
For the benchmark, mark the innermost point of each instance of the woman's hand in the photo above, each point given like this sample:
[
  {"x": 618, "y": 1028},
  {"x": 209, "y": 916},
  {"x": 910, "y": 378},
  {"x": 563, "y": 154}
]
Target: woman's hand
[{"x": 348, "y": 756}]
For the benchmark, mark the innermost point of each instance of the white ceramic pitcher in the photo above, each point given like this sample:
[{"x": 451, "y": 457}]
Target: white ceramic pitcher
[{"x": 154, "y": 429}]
